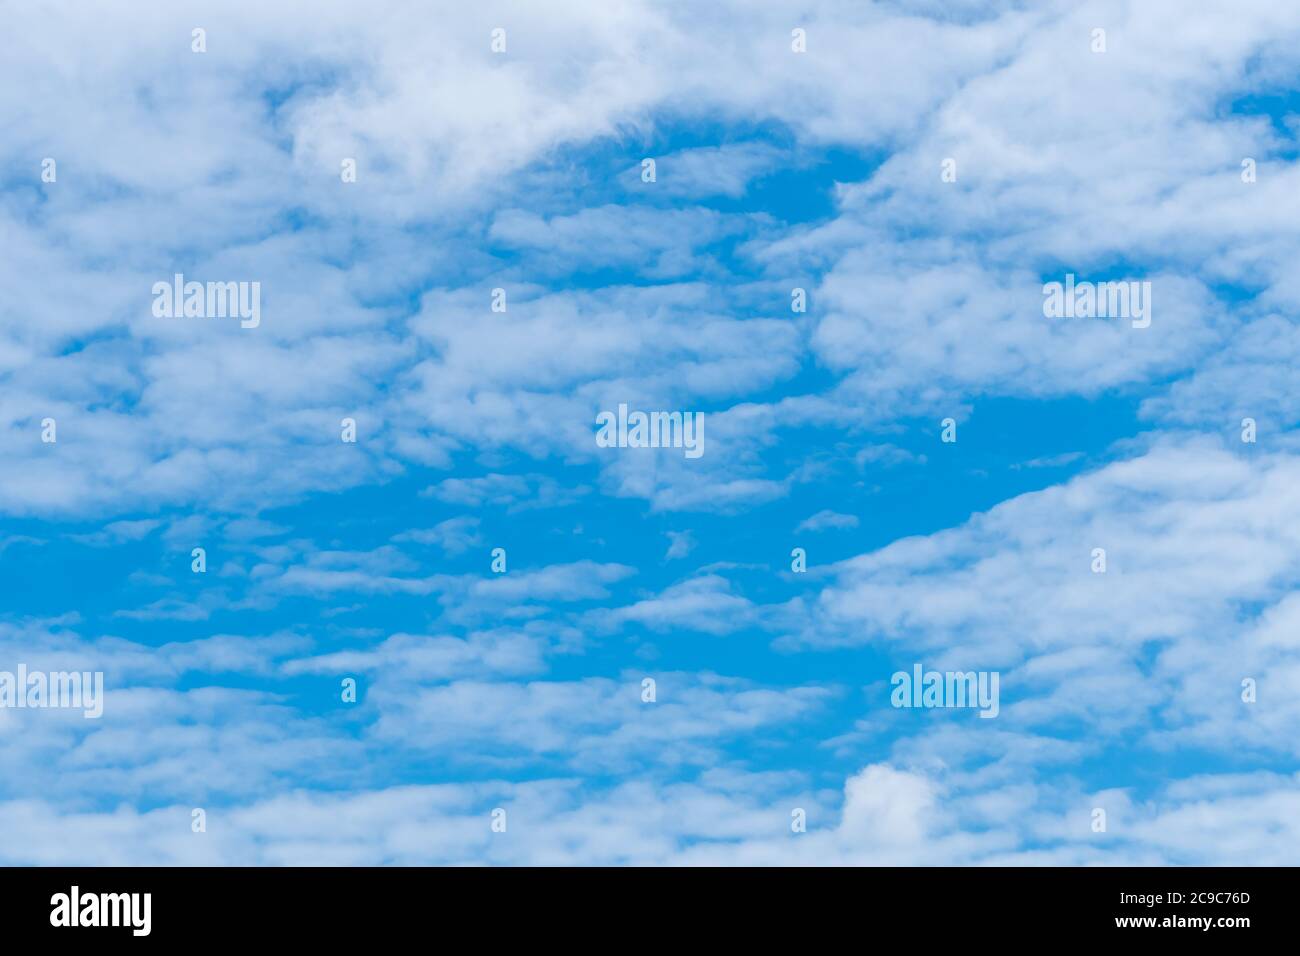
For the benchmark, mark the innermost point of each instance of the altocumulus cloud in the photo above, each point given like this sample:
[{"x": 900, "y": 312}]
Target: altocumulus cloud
[{"x": 393, "y": 479}]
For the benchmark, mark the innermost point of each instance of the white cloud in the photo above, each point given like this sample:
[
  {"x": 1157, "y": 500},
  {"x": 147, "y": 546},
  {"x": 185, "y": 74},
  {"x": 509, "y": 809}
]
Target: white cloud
[{"x": 827, "y": 520}]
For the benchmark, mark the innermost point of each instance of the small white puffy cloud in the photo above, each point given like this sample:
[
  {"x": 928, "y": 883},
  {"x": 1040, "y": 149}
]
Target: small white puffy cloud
[
  {"x": 827, "y": 520},
  {"x": 455, "y": 535},
  {"x": 680, "y": 544}
]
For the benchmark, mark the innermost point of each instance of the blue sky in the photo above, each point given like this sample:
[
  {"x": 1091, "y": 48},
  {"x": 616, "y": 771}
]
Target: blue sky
[{"x": 476, "y": 430}]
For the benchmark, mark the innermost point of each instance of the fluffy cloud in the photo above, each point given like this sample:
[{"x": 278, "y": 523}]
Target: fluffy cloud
[{"x": 776, "y": 171}]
